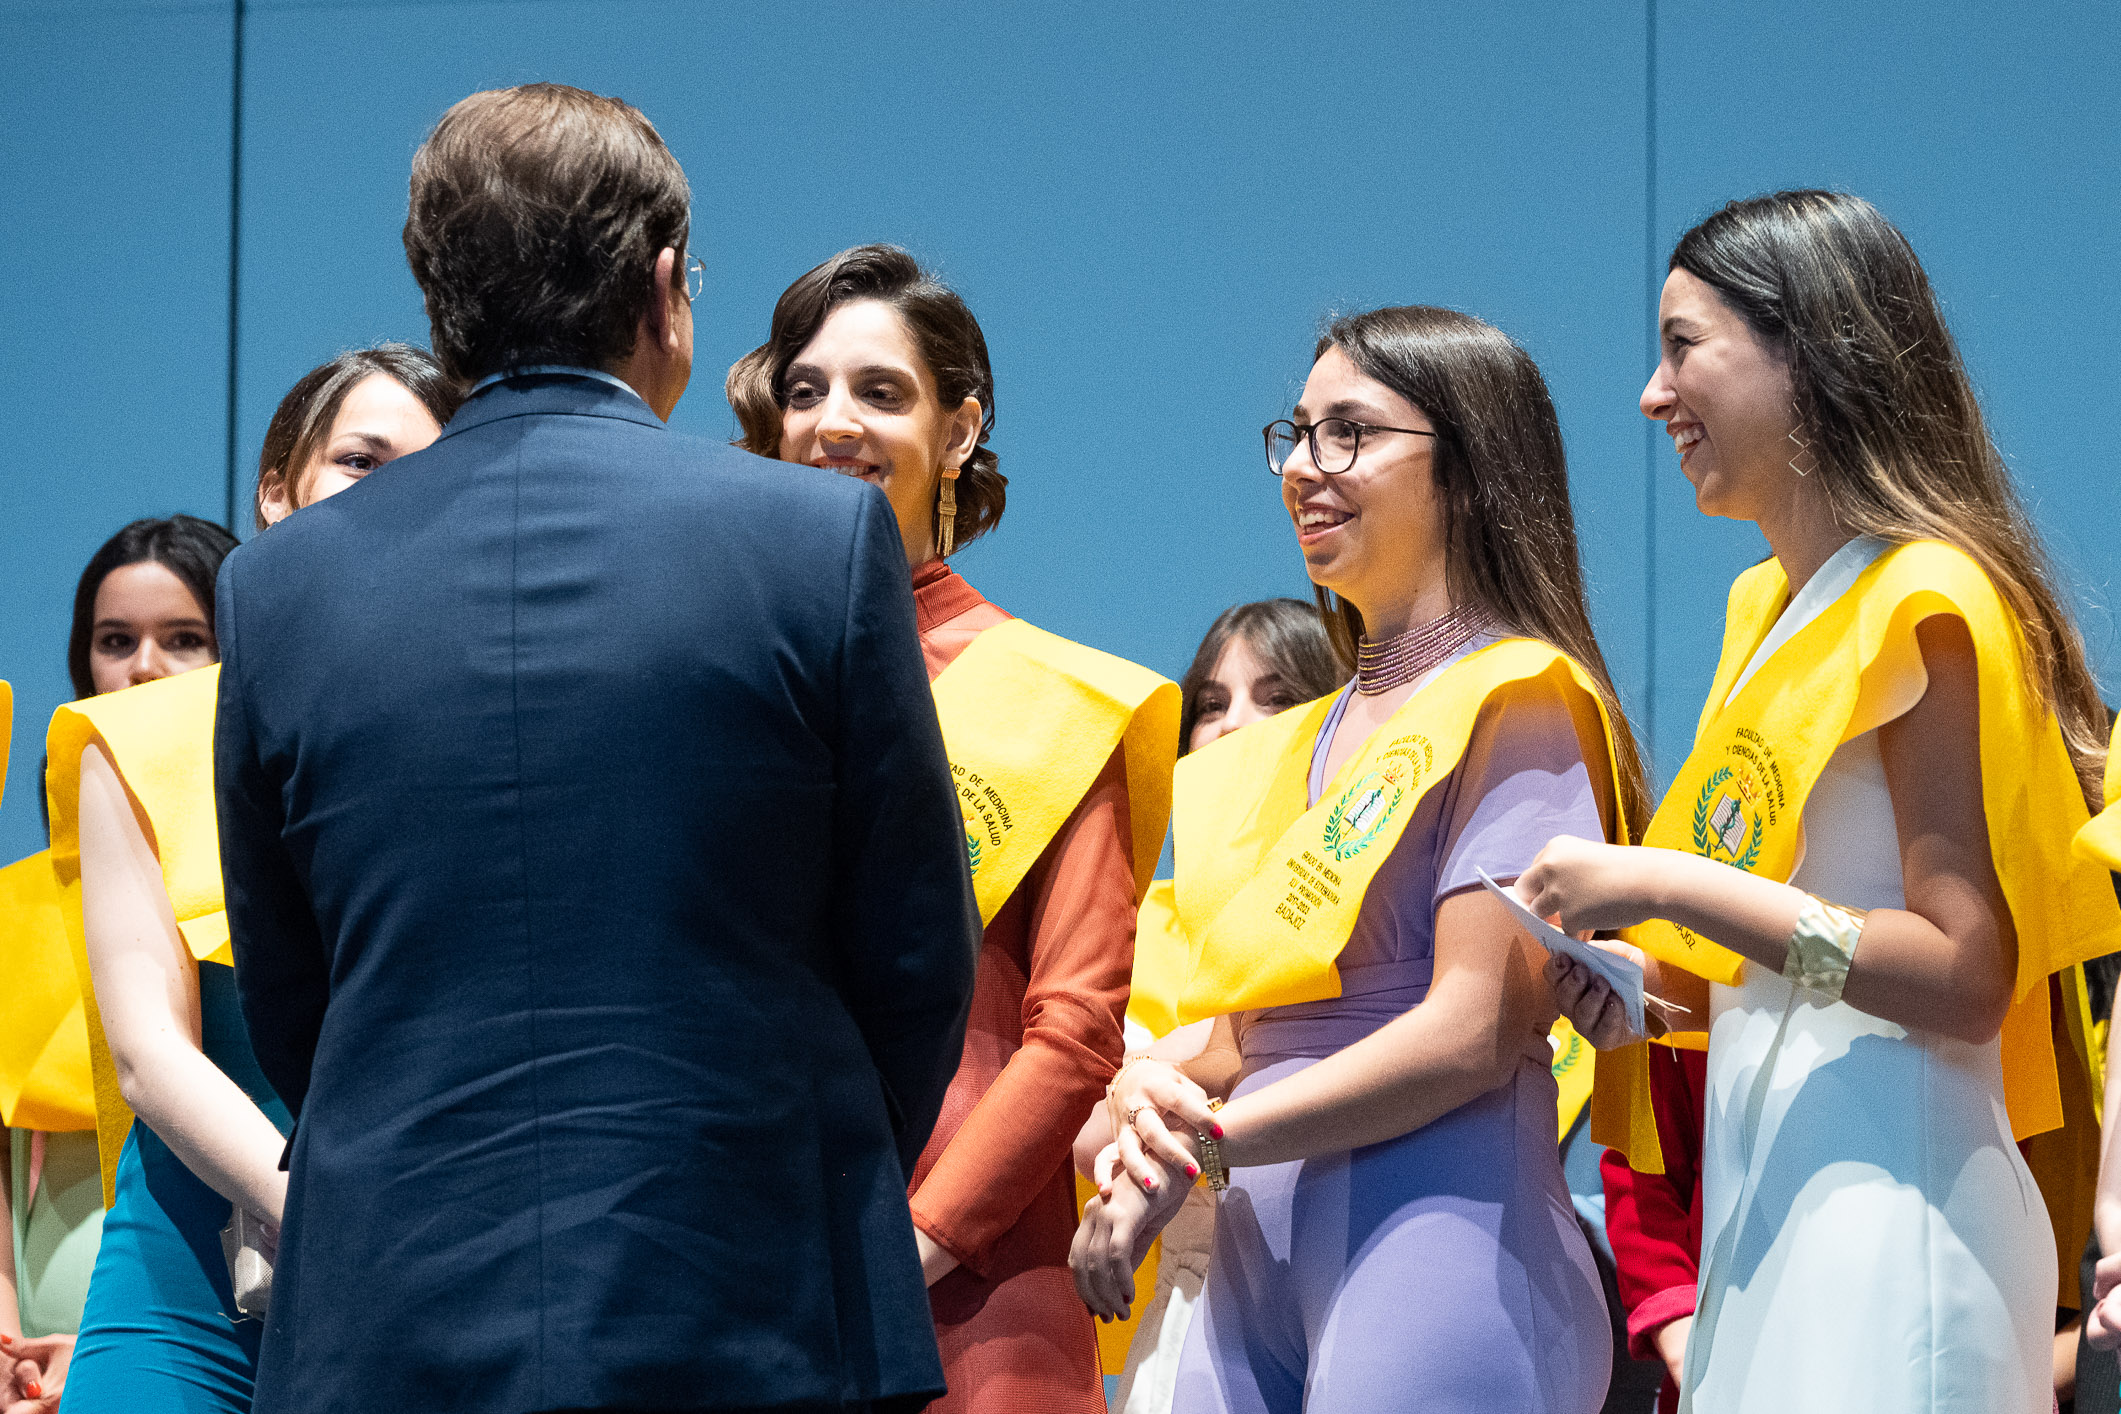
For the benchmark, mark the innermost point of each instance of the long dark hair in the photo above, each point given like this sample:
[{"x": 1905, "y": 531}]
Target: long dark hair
[
  {"x": 189, "y": 548},
  {"x": 1509, "y": 533},
  {"x": 1888, "y": 414},
  {"x": 302, "y": 422},
  {"x": 1286, "y": 635},
  {"x": 943, "y": 329}
]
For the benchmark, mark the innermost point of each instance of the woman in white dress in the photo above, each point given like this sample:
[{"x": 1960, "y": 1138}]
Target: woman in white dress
[{"x": 1901, "y": 737}]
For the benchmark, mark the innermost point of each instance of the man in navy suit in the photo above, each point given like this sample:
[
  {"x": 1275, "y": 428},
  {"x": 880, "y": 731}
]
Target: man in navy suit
[{"x": 599, "y": 897}]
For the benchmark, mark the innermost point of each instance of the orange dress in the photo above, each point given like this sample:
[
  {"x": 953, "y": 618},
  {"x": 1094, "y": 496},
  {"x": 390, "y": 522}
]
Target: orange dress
[{"x": 995, "y": 1186}]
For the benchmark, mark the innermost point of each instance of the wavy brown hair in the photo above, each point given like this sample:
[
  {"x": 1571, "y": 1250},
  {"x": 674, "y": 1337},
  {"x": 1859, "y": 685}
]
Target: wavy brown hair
[
  {"x": 1888, "y": 414},
  {"x": 943, "y": 330},
  {"x": 1509, "y": 532}
]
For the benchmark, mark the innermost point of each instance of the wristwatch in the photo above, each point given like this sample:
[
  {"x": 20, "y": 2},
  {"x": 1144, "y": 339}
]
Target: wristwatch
[{"x": 1211, "y": 1156}]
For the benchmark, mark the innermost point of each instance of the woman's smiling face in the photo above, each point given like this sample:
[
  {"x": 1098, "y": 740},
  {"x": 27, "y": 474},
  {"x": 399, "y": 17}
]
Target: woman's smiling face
[
  {"x": 860, "y": 400},
  {"x": 1371, "y": 532},
  {"x": 1724, "y": 396}
]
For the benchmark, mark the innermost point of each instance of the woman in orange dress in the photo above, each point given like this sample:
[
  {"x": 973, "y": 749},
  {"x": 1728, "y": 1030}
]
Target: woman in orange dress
[{"x": 1063, "y": 759}]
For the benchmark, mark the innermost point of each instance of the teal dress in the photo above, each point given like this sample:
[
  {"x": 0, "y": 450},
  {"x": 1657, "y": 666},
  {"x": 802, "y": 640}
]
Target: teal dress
[{"x": 155, "y": 1336}]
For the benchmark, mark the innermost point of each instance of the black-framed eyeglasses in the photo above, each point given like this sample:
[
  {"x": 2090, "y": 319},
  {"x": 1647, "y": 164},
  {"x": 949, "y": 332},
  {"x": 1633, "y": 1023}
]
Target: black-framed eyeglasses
[
  {"x": 1335, "y": 442},
  {"x": 695, "y": 276}
]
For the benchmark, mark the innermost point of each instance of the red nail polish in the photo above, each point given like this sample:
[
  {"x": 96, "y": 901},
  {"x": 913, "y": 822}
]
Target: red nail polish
[
  {"x": 1192, "y": 1170},
  {"x": 1149, "y": 1185},
  {"x": 1217, "y": 1130},
  {"x": 33, "y": 1390}
]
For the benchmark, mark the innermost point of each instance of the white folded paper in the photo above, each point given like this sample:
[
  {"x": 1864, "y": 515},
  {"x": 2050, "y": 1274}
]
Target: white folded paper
[{"x": 1622, "y": 975}]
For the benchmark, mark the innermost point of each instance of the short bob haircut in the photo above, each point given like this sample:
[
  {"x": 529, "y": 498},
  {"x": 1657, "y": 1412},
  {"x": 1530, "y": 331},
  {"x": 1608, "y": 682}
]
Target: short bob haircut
[
  {"x": 301, "y": 425},
  {"x": 943, "y": 329},
  {"x": 1290, "y": 641},
  {"x": 536, "y": 217},
  {"x": 189, "y": 548}
]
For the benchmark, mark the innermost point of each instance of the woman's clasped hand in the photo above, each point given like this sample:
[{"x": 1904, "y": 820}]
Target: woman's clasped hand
[{"x": 1158, "y": 1114}]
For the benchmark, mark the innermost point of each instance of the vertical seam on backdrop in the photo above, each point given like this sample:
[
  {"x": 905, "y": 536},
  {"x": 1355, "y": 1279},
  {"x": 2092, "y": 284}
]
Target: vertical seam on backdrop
[
  {"x": 235, "y": 249},
  {"x": 1649, "y": 432}
]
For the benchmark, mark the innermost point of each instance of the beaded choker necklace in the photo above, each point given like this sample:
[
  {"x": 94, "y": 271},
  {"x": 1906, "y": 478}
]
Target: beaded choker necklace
[{"x": 1380, "y": 667}]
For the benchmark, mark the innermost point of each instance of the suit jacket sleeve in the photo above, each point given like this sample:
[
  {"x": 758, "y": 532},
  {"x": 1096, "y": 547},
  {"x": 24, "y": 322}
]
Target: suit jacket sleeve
[
  {"x": 282, "y": 974},
  {"x": 906, "y": 923}
]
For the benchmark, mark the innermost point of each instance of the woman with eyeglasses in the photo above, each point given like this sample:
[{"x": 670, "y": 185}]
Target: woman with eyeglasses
[
  {"x": 1874, "y": 828},
  {"x": 1062, "y": 757},
  {"x": 1376, "y": 1098},
  {"x": 190, "y": 1132}
]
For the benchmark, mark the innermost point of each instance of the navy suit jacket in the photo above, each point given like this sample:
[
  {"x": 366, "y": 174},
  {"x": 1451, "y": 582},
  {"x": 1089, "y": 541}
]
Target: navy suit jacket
[{"x": 601, "y": 908}]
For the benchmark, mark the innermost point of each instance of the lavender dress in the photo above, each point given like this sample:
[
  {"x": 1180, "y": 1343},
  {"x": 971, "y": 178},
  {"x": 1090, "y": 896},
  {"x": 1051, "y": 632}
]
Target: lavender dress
[{"x": 1442, "y": 1270}]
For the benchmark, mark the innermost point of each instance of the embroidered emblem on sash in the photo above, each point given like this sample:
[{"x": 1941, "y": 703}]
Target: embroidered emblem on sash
[
  {"x": 1729, "y": 824},
  {"x": 1362, "y": 812},
  {"x": 986, "y": 816},
  {"x": 1567, "y": 1054}
]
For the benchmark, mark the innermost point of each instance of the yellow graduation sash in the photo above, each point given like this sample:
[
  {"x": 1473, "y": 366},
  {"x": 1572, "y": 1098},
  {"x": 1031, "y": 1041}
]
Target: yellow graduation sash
[
  {"x": 7, "y": 724},
  {"x": 1029, "y": 719},
  {"x": 1268, "y": 886},
  {"x": 160, "y": 736},
  {"x": 1740, "y": 796},
  {"x": 1162, "y": 958},
  {"x": 44, "y": 1070},
  {"x": 2100, "y": 839}
]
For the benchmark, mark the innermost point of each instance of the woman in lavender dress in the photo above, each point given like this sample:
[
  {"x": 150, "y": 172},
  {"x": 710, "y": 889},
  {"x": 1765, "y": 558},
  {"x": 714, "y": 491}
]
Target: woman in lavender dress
[{"x": 1396, "y": 1233}]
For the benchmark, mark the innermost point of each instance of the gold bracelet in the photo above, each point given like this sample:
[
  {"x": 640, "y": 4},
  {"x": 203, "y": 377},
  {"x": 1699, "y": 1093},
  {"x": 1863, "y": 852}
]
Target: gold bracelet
[
  {"x": 1211, "y": 1161},
  {"x": 1822, "y": 946},
  {"x": 1211, "y": 1155}
]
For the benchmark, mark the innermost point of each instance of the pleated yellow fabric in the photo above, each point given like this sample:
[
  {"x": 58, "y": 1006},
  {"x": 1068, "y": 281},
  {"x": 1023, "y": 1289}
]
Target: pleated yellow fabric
[
  {"x": 1739, "y": 798},
  {"x": 2100, "y": 839},
  {"x": 44, "y": 1070},
  {"x": 160, "y": 736},
  {"x": 2065, "y": 1160},
  {"x": 1029, "y": 719},
  {"x": 1162, "y": 958},
  {"x": 1267, "y": 887}
]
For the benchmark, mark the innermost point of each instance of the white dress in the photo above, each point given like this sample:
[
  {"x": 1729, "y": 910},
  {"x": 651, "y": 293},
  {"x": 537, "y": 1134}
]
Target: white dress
[{"x": 1872, "y": 1241}]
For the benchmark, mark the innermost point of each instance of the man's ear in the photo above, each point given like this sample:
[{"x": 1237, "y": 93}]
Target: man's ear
[{"x": 666, "y": 293}]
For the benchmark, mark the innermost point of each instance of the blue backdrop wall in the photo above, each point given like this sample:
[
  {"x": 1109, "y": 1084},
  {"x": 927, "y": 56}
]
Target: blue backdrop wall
[{"x": 1151, "y": 210}]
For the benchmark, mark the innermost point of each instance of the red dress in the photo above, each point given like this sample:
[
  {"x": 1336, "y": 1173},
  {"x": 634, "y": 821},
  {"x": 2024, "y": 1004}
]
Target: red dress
[
  {"x": 1654, "y": 1220},
  {"x": 995, "y": 1186}
]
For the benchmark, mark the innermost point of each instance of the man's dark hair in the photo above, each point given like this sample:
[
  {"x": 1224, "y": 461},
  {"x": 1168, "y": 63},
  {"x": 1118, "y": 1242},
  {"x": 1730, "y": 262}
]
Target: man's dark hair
[
  {"x": 189, "y": 548},
  {"x": 536, "y": 217}
]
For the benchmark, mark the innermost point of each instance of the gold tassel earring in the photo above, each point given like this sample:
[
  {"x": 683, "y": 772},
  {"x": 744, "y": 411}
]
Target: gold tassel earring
[{"x": 946, "y": 512}]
